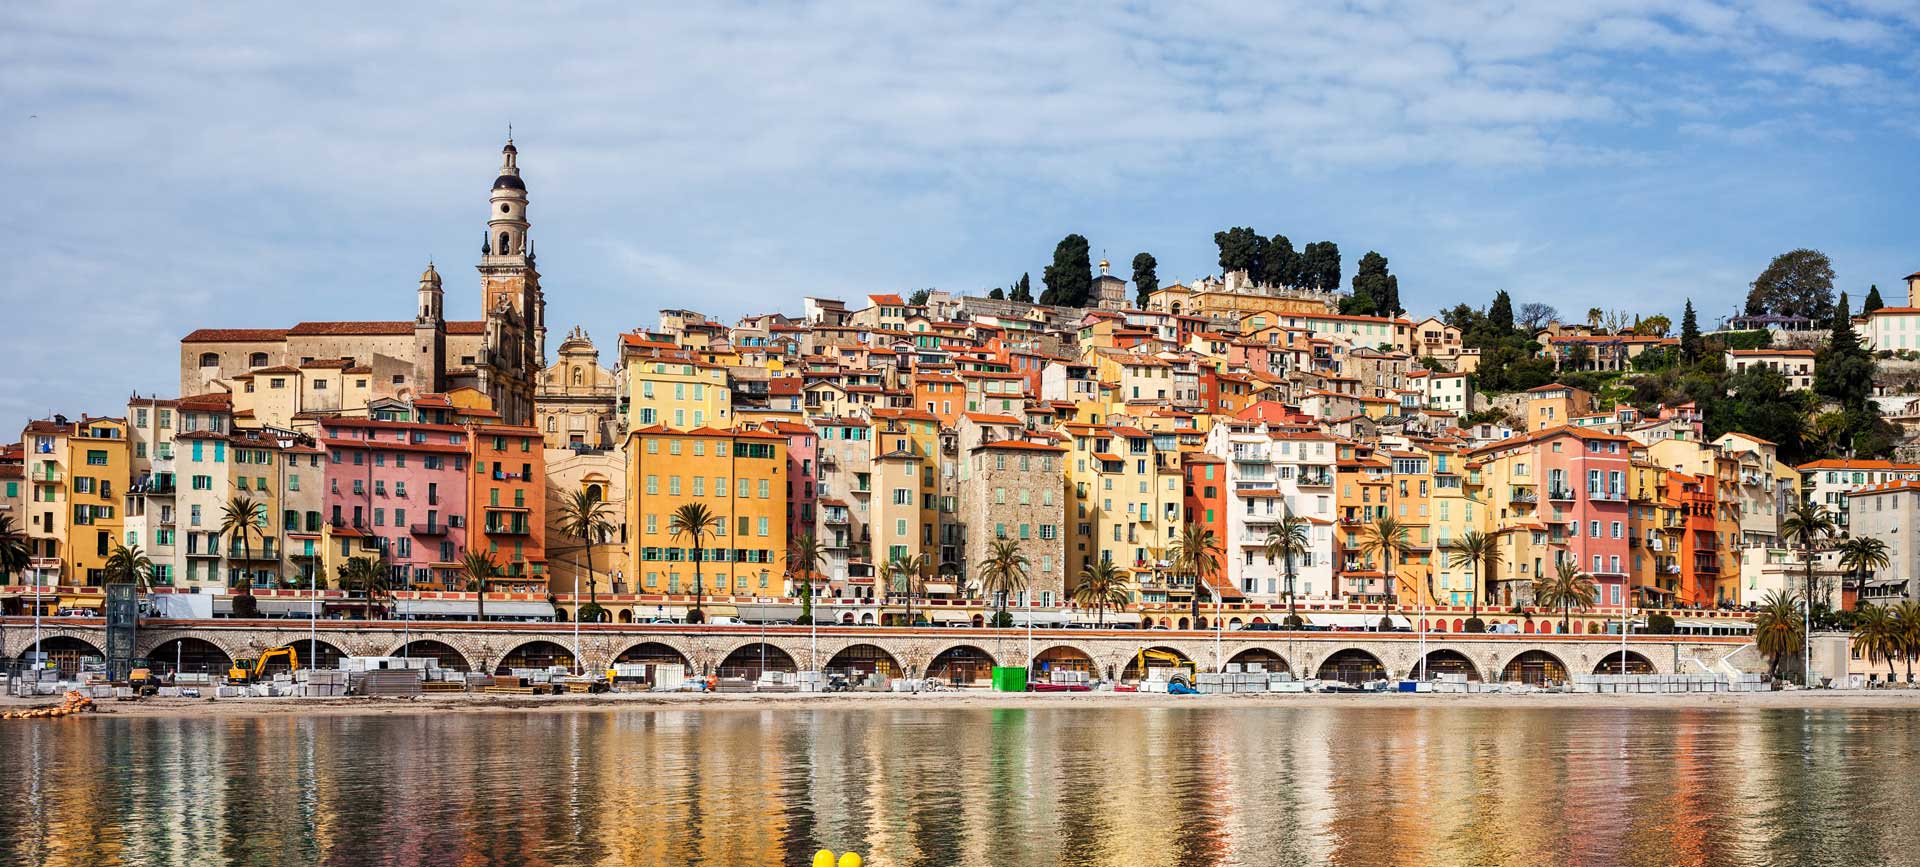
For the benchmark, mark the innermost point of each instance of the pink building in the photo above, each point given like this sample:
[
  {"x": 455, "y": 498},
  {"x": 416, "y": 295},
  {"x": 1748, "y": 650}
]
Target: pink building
[
  {"x": 1585, "y": 504},
  {"x": 803, "y": 476},
  {"x": 399, "y": 490}
]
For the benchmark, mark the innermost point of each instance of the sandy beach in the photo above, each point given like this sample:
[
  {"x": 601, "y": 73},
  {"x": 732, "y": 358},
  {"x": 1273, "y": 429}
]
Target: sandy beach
[{"x": 494, "y": 704}]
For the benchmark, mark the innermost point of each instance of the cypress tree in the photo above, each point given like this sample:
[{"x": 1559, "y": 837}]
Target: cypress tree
[
  {"x": 1873, "y": 301},
  {"x": 1500, "y": 315},
  {"x": 1689, "y": 334}
]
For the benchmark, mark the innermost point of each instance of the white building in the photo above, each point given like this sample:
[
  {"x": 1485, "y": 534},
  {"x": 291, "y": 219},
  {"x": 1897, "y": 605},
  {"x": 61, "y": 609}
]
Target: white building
[{"x": 1272, "y": 474}]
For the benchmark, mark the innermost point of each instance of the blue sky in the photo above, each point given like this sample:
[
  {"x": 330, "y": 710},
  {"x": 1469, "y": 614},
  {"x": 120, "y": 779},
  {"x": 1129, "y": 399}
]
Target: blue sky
[{"x": 175, "y": 167}]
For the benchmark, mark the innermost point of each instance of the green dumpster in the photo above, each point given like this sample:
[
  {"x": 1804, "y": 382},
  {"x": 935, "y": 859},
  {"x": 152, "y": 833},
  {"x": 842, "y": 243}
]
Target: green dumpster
[{"x": 1009, "y": 679}]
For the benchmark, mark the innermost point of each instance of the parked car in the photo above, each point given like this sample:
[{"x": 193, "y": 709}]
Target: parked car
[{"x": 1262, "y": 627}]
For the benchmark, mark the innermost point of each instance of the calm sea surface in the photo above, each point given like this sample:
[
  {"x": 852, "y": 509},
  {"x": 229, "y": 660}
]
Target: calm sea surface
[{"x": 1093, "y": 786}]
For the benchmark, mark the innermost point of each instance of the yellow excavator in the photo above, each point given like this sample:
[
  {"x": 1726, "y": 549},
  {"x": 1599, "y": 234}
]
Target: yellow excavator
[
  {"x": 1182, "y": 669},
  {"x": 245, "y": 671}
]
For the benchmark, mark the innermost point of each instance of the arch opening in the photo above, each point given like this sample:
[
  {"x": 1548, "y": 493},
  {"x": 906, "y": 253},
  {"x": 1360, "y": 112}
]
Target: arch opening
[
  {"x": 1445, "y": 661},
  {"x": 1268, "y": 660},
  {"x": 1635, "y": 664},
  {"x": 964, "y": 665},
  {"x": 535, "y": 654},
  {"x": 751, "y": 660},
  {"x": 69, "y": 655},
  {"x": 189, "y": 656},
  {"x": 860, "y": 660},
  {"x": 1352, "y": 666},
  {"x": 1156, "y": 657},
  {"x": 654, "y": 653},
  {"x": 443, "y": 653},
  {"x": 1536, "y": 667}
]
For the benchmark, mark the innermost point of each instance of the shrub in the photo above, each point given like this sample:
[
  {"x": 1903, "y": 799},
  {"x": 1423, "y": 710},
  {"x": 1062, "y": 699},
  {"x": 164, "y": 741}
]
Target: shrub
[
  {"x": 1659, "y": 624},
  {"x": 1474, "y": 624}
]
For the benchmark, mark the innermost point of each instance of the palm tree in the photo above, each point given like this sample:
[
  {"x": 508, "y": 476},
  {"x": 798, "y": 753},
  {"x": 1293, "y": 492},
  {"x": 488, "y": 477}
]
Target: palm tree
[
  {"x": 1906, "y": 632},
  {"x": 1480, "y": 552},
  {"x": 1387, "y": 537},
  {"x": 240, "y": 520},
  {"x": 1101, "y": 584},
  {"x": 367, "y": 575},
  {"x": 1808, "y": 525},
  {"x": 14, "y": 553},
  {"x": 1197, "y": 553},
  {"x": 583, "y": 515},
  {"x": 696, "y": 522},
  {"x": 1779, "y": 630},
  {"x": 1002, "y": 574},
  {"x": 1877, "y": 634},
  {"x": 805, "y": 554},
  {"x": 907, "y": 568},
  {"x": 1566, "y": 589},
  {"x": 129, "y": 565},
  {"x": 1861, "y": 556},
  {"x": 1285, "y": 542},
  {"x": 479, "y": 567}
]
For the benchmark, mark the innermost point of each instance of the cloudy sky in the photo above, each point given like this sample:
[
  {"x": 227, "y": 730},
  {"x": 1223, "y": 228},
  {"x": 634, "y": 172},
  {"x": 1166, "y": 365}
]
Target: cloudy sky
[{"x": 174, "y": 167}]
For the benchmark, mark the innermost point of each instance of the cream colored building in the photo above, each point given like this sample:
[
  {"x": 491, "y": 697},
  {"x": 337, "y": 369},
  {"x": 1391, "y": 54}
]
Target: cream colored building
[
  {"x": 574, "y": 403},
  {"x": 602, "y": 472}
]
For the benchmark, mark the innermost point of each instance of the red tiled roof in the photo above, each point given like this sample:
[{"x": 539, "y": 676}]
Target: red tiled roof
[{"x": 229, "y": 335}]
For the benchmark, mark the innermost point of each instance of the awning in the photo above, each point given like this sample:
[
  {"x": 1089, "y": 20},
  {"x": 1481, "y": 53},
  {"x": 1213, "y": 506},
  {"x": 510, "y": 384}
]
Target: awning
[
  {"x": 940, "y": 616},
  {"x": 520, "y": 609},
  {"x": 443, "y": 608},
  {"x": 764, "y": 612},
  {"x": 1038, "y": 618},
  {"x": 1354, "y": 621},
  {"x": 1712, "y": 624},
  {"x": 1887, "y": 582},
  {"x": 302, "y": 607},
  {"x": 82, "y": 602}
]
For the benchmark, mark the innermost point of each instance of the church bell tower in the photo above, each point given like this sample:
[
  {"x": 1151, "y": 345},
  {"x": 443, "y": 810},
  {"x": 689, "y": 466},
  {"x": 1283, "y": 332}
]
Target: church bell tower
[{"x": 511, "y": 302}]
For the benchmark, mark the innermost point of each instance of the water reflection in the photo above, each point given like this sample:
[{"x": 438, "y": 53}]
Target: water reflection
[{"x": 1093, "y": 787}]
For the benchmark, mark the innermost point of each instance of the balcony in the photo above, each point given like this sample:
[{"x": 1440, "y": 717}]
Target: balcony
[
  {"x": 1250, "y": 457},
  {"x": 513, "y": 528},
  {"x": 1564, "y": 495},
  {"x": 1524, "y": 496},
  {"x": 837, "y": 518},
  {"x": 1614, "y": 495},
  {"x": 1316, "y": 480},
  {"x": 204, "y": 555},
  {"x": 429, "y": 529}
]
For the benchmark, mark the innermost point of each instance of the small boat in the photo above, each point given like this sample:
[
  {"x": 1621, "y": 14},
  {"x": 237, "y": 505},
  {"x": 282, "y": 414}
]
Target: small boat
[{"x": 1059, "y": 687}]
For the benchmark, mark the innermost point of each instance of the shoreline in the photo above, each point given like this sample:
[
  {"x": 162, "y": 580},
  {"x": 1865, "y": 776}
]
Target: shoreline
[{"x": 157, "y": 708}]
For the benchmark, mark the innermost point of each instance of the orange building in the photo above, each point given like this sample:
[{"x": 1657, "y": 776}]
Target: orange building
[{"x": 507, "y": 504}]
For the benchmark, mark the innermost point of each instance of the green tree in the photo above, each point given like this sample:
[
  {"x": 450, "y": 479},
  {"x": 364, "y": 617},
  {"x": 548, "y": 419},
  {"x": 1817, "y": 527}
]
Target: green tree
[
  {"x": 1375, "y": 292},
  {"x": 15, "y": 555},
  {"x": 1197, "y": 553},
  {"x": 919, "y": 297},
  {"x": 1653, "y": 326},
  {"x": 805, "y": 555},
  {"x": 1386, "y": 538},
  {"x": 997, "y": 294},
  {"x": 696, "y": 523},
  {"x": 1862, "y": 556},
  {"x": 1566, "y": 589},
  {"x": 1877, "y": 635},
  {"x": 1102, "y": 585},
  {"x": 1500, "y": 315},
  {"x": 1873, "y": 301},
  {"x": 1480, "y": 552},
  {"x": 478, "y": 568},
  {"x": 1284, "y": 542},
  {"x": 1844, "y": 370},
  {"x": 584, "y": 516},
  {"x": 1808, "y": 525},
  {"x": 370, "y": 576},
  {"x": 1070, "y": 278},
  {"x": 1320, "y": 266},
  {"x": 1796, "y": 283},
  {"x": 241, "y": 518},
  {"x": 1241, "y": 249},
  {"x": 1145, "y": 280},
  {"x": 129, "y": 565},
  {"x": 1689, "y": 334},
  {"x": 908, "y": 569},
  {"x": 1023, "y": 291},
  {"x": 1905, "y": 624},
  {"x": 1779, "y": 630},
  {"x": 1003, "y": 573},
  {"x": 1281, "y": 267}
]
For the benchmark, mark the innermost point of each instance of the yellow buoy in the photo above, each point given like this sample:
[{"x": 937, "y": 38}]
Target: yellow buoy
[
  {"x": 850, "y": 860},
  {"x": 823, "y": 858}
]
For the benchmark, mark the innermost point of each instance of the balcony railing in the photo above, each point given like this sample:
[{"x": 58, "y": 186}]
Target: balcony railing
[
  {"x": 1316, "y": 480},
  {"x": 1609, "y": 494},
  {"x": 1524, "y": 496},
  {"x": 428, "y": 529},
  {"x": 1562, "y": 494}
]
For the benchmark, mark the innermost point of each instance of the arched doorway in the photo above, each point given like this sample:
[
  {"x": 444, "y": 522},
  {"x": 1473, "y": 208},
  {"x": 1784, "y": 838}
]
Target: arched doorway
[
  {"x": 861, "y": 660},
  {"x": 1268, "y": 660},
  {"x": 753, "y": 659},
  {"x": 1146, "y": 623},
  {"x": 847, "y": 618},
  {"x": 1636, "y": 664},
  {"x": 979, "y": 620},
  {"x": 535, "y": 654},
  {"x": 190, "y": 656},
  {"x": 1352, "y": 666},
  {"x": 67, "y": 654},
  {"x": 626, "y": 615},
  {"x": 653, "y": 653},
  {"x": 313, "y": 654},
  {"x": 1062, "y": 659},
  {"x": 1451, "y": 662},
  {"x": 1183, "y": 625},
  {"x": 1535, "y": 667},
  {"x": 961, "y": 666},
  {"x": 443, "y": 653},
  {"x": 1156, "y": 657}
]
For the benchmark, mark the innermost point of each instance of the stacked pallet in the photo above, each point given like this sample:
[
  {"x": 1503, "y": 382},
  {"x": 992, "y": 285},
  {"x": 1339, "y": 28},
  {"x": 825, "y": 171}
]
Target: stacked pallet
[
  {"x": 508, "y": 684},
  {"x": 390, "y": 683},
  {"x": 320, "y": 683}
]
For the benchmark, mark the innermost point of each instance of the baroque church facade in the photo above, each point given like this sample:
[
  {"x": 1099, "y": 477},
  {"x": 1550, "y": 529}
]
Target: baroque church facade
[{"x": 338, "y": 368}]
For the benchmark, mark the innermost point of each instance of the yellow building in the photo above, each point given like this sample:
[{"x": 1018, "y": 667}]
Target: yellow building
[
  {"x": 740, "y": 477},
  {"x": 1458, "y": 506},
  {"x": 77, "y": 477},
  {"x": 1124, "y": 505},
  {"x": 677, "y": 393},
  {"x": 906, "y": 505}
]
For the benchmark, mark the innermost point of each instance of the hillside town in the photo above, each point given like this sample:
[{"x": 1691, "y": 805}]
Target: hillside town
[{"x": 1260, "y": 446}]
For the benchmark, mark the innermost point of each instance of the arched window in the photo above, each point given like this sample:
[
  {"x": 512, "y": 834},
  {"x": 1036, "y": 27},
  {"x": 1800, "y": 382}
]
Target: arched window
[
  {"x": 258, "y": 359},
  {"x": 209, "y": 359},
  {"x": 576, "y": 376},
  {"x": 502, "y": 251},
  {"x": 553, "y": 424}
]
